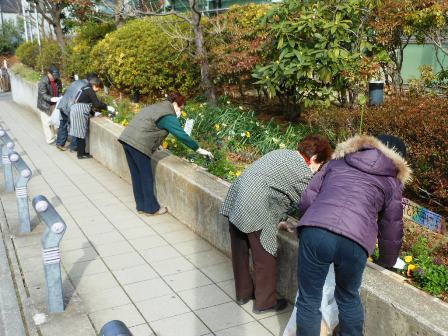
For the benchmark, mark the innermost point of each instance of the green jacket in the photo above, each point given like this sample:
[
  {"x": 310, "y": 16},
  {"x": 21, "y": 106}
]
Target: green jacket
[{"x": 142, "y": 132}]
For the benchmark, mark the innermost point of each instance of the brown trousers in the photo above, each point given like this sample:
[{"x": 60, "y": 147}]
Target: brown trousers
[{"x": 263, "y": 285}]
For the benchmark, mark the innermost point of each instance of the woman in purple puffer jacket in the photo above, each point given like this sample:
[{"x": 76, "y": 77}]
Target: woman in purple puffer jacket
[{"x": 353, "y": 201}]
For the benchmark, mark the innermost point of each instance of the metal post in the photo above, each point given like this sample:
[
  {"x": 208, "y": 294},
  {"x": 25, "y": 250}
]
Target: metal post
[
  {"x": 115, "y": 328},
  {"x": 24, "y": 175},
  {"x": 50, "y": 251},
  {"x": 7, "y": 148}
]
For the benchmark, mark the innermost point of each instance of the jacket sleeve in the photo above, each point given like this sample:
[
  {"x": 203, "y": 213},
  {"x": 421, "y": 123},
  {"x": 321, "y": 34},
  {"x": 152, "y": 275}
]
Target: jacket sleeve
[
  {"x": 172, "y": 125},
  {"x": 390, "y": 229},
  {"x": 95, "y": 101},
  {"x": 43, "y": 92},
  {"x": 311, "y": 192}
]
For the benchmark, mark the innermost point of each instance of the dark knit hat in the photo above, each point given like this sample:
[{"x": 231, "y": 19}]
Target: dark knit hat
[{"x": 394, "y": 143}]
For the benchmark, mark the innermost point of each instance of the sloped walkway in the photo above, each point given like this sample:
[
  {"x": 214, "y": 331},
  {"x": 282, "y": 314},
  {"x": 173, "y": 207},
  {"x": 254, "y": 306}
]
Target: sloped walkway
[{"x": 153, "y": 273}]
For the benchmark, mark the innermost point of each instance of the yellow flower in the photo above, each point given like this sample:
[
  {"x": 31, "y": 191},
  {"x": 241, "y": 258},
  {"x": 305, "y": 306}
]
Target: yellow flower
[
  {"x": 217, "y": 127},
  {"x": 248, "y": 134},
  {"x": 173, "y": 140},
  {"x": 184, "y": 114},
  {"x": 408, "y": 259},
  {"x": 282, "y": 145},
  {"x": 411, "y": 267},
  {"x": 238, "y": 173},
  {"x": 165, "y": 144},
  {"x": 124, "y": 122},
  {"x": 370, "y": 259}
]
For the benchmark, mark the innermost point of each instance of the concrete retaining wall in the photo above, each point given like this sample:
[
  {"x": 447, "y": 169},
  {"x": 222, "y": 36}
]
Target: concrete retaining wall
[
  {"x": 24, "y": 92},
  {"x": 194, "y": 196}
]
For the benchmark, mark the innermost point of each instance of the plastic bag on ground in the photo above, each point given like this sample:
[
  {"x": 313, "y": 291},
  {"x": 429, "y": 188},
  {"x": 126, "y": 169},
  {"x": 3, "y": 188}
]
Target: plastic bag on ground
[{"x": 328, "y": 308}]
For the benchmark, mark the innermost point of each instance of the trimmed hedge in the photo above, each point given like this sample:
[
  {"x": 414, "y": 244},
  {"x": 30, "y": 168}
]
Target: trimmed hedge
[
  {"x": 37, "y": 58},
  {"x": 141, "y": 56}
]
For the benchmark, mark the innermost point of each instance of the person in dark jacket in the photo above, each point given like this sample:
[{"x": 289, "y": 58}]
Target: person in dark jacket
[
  {"x": 64, "y": 106},
  {"x": 353, "y": 201},
  {"x": 255, "y": 205},
  {"x": 49, "y": 89},
  {"x": 142, "y": 137},
  {"x": 81, "y": 111}
]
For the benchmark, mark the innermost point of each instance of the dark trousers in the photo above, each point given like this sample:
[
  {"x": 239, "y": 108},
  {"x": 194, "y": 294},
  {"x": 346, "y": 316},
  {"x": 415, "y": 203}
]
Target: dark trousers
[
  {"x": 263, "y": 286},
  {"x": 62, "y": 136},
  {"x": 142, "y": 180},
  {"x": 81, "y": 146},
  {"x": 318, "y": 248}
]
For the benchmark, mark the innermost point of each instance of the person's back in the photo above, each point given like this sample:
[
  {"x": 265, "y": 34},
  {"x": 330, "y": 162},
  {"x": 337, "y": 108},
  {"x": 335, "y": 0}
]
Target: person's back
[
  {"x": 70, "y": 95},
  {"x": 364, "y": 179},
  {"x": 352, "y": 201}
]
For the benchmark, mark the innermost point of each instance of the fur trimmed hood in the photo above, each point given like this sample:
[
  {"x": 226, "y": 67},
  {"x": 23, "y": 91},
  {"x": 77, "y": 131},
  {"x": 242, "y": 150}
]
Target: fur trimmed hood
[{"x": 363, "y": 142}]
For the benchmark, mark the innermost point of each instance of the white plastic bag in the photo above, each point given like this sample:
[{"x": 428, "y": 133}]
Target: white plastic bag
[
  {"x": 328, "y": 308},
  {"x": 55, "y": 117}
]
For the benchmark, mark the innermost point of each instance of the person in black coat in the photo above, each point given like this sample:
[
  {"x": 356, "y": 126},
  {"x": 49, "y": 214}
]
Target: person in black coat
[{"x": 49, "y": 91}]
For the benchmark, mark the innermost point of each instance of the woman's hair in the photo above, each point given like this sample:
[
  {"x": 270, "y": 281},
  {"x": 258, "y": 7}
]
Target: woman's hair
[
  {"x": 93, "y": 79},
  {"x": 176, "y": 97},
  {"x": 315, "y": 145}
]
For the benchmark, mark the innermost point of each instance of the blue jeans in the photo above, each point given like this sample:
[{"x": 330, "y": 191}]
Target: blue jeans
[
  {"x": 142, "y": 179},
  {"x": 318, "y": 248},
  {"x": 63, "y": 132}
]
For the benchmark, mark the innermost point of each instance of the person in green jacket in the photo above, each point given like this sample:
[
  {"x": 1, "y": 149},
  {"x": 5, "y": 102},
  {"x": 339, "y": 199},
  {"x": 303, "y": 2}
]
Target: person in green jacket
[{"x": 142, "y": 137}]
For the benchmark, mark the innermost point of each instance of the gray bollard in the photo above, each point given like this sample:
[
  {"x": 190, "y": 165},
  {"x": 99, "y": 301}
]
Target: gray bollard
[
  {"x": 50, "y": 250},
  {"x": 23, "y": 176},
  {"x": 7, "y": 148},
  {"x": 115, "y": 328}
]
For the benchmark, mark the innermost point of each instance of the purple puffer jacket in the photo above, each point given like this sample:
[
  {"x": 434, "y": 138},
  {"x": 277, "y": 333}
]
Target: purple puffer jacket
[{"x": 358, "y": 195}]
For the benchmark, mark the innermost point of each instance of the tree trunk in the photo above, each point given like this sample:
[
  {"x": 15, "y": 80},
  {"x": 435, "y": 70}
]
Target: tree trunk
[
  {"x": 201, "y": 54},
  {"x": 58, "y": 28},
  {"x": 119, "y": 21}
]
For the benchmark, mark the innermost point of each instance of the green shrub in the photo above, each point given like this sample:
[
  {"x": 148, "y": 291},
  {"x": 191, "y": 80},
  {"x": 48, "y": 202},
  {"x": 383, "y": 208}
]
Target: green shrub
[
  {"x": 50, "y": 53},
  {"x": 78, "y": 60},
  {"x": 37, "y": 58},
  {"x": 27, "y": 53},
  {"x": 140, "y": 56}
]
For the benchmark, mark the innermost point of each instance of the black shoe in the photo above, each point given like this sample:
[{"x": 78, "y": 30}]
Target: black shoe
[
  {"x": 279, "y": 306},
  {"x": 85, "y": 156},
  {"x": 244, "y": 300}
]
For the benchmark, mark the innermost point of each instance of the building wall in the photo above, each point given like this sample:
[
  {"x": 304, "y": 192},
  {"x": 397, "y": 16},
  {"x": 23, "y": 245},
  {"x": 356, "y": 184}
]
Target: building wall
[{"x": 416, "y": 55}]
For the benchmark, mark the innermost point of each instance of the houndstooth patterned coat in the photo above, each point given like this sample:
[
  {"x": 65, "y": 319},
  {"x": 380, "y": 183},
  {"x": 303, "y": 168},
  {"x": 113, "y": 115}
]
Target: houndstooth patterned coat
[{"x": 261, "y": 197}]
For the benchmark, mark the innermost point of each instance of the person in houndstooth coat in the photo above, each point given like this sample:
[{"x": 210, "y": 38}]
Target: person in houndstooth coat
[{"x": 255, "y": 205}]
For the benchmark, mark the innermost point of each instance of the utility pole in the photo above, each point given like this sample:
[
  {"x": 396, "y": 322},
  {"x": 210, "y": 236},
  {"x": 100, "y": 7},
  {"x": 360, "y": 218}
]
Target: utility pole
[
  {"x": 37, "y": 24},
  {"x": 24, "y": 20}
]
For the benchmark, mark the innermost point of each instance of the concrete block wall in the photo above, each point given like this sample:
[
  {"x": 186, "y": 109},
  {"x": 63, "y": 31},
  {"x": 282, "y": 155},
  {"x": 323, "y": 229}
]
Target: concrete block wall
[
  {"x": 194, "y": 196},
  {"x": 24, "y": 92}
]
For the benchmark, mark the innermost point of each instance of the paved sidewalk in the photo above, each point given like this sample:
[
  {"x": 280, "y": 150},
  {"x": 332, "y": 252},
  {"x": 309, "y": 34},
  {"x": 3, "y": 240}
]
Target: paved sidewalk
[{"x": 151, "y": 272}]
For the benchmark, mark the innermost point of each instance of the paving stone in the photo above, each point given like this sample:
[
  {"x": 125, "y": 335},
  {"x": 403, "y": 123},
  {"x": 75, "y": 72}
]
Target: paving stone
[
  {"x": 148, "y": 289},
  {"x": 248, "y": 329},
  {"x": 186, "y": 325},
  {"x": 203, "y": 297},
  {"x": 223, "y": 316},
  {"x": 123, "y": 261},
  {"x": 162, "y": 307},
  {"x": 128, "y": 314},
  {"x": 187, "y": 280},
  {"x": 135, "y": 274}
]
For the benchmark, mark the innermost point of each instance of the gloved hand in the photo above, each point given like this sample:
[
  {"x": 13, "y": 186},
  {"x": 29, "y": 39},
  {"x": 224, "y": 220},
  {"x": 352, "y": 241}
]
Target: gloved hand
[
  {"x": 98, "y": 114},
  {"x": 204, "y": 152},
  {"x": 110, "y": 109},
  {"x": 55, "y": 99}
]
